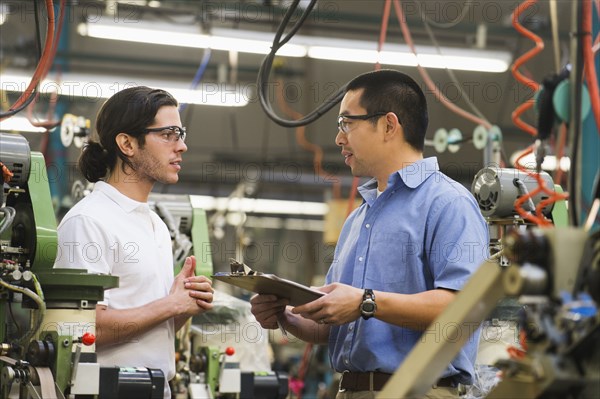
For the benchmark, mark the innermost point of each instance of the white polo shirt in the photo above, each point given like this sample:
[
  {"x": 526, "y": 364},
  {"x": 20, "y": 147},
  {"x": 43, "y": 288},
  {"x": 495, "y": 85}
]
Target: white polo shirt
[{"x": 109, "y": 233}]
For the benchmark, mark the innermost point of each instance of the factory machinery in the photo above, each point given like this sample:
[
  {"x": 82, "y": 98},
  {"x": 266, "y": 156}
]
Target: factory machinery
[
  {"x": 553, "y": 271},
  {"x": 47, "y": 315}
]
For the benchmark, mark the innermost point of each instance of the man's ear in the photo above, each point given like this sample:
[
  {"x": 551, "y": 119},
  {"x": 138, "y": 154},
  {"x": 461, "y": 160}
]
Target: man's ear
[
  {"x": 392, "y": 125},
  {"x": 126, "y": 144}
]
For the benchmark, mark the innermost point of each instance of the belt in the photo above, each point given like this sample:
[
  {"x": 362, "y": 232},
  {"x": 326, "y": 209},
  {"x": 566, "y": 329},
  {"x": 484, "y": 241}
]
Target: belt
[{"x": 375, "y": 380}]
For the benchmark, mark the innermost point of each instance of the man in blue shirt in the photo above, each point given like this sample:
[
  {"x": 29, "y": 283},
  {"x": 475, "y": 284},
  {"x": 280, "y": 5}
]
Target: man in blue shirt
[{"x": 401, "y": 256}]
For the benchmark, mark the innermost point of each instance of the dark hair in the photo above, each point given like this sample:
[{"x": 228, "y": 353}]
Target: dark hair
[
  {"x": 129, "y": 111},
  {"x": 388, "y": 90}
]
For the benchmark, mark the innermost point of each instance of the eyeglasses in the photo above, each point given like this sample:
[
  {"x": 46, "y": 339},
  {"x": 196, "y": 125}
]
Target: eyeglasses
[
  {"x": 343, "y": 124},
  {"x": 168, "y": 134}
]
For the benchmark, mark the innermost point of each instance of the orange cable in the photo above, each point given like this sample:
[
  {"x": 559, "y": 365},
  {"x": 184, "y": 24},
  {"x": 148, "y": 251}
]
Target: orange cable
[
  {"x": 385, "y": 17},
  {"x": 553, "y": 196},
  {"x": 588, "y": 58},
  {"x": 430, "y": 84},
  {"x": 302, "y": 141},
  {"x": 521, "y": 78},
  {"x": 49, "y": 123},
  {"x": 45, "y": 60},
  {"x": 538, "y": 217},
  {"x": 560, "y": 151}
]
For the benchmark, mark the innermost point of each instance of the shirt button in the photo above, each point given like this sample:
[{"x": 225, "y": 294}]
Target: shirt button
[
  {"x": 351, "y": 328},
  {"x": 346, "y": 361},
  {"x": 367, "y": 225},
  {"x": 360, "y": 258}
]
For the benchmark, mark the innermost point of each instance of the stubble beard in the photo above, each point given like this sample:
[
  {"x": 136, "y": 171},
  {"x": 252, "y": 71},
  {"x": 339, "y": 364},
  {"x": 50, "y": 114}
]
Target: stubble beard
[{"x": 148, "y": 168}]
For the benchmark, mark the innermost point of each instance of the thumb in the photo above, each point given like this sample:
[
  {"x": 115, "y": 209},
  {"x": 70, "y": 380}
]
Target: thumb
[
  {"x": 326, "y": 288},
  {"x": 189, "y": 267}
]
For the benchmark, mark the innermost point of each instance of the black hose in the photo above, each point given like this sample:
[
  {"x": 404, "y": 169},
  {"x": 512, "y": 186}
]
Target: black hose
[{"x": 267, "y": 65}]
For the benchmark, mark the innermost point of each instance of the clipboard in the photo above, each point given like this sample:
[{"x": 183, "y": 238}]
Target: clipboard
[{"x": 261, "y": 283}]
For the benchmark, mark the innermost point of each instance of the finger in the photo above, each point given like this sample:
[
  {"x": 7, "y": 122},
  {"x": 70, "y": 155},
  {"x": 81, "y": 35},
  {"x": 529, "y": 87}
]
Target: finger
[
  {"x": 198, "y": 279},
  {"x": 199, "y": 287},
  {"x": 204, "y": 305},
  {"x": 263, "y": 299},
  {"x": 310, "y": 307},
  {"x": 206, "y": 296}
]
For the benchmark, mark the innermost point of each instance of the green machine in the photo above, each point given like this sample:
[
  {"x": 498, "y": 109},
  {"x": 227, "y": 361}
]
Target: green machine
[{"x": 47, "y": 316}]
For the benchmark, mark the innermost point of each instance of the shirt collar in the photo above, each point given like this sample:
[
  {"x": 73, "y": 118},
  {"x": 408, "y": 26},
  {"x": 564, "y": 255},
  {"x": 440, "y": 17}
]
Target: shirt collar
[
  {"x": 412, "y": 175},
  {"x": 417, "y": 172},
  {"x": 126, "y": 203}
]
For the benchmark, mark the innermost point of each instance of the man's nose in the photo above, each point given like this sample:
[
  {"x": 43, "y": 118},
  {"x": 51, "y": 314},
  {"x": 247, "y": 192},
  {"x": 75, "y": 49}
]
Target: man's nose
[
  {"x": 340, "y": 138},
  {"x": 181, "y": 146}
]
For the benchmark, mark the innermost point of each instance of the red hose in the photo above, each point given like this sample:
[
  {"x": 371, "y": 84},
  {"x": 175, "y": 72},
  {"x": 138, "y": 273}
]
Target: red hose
[
  {"x": 385, "y": 17},
  {"x": 45, "y": 61},
  {"x": 553, "y": 196},
  {"x": 430, "y": 84},
  {"x": 539, "y": 46}
]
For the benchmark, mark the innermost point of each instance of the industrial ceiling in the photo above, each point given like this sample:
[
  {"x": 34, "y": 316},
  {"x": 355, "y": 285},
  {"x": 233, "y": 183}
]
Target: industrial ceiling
[{"x": 232, "y": 144}]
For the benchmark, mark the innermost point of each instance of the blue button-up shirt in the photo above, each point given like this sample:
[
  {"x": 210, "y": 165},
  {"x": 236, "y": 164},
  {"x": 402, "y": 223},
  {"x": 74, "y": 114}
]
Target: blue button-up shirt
[{"x": 425, "y": 231}]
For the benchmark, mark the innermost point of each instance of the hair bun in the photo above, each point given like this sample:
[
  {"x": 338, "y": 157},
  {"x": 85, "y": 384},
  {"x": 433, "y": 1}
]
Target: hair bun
[{"x": 92, "y": 161}]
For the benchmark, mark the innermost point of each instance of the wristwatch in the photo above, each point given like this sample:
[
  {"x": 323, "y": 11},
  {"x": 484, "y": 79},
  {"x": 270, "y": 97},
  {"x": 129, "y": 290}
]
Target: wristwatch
[{"x": 368, "y": 305}]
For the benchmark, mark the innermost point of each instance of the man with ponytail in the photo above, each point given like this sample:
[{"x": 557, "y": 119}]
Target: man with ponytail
[{"x": 140, "y": 141}]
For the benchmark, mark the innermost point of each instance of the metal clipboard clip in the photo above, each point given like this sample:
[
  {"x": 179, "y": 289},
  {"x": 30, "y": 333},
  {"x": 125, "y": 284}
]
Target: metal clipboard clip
[{"x": 241, "y": 269}]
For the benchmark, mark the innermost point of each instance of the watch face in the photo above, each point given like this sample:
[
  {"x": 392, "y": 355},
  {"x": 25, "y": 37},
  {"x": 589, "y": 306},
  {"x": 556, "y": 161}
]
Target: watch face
[{"x": 368, "y": 307}]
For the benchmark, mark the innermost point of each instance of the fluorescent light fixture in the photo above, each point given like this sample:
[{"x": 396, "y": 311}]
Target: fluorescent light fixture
[
  {"x": 3, "y": 12},
  {"x": 253, "y": 205},
  {"x": 242, "y": 41},
  {"x": 299, "y": 46},
  {"x": 398, "y": 54},
  {"x": 550, "y": 164},
  {"x": 95, "y": 87},
  {"x": 19, "y": 124}
]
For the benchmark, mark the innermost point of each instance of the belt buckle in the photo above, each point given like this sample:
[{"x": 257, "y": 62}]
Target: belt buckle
[{"x": 340, "y": 389}]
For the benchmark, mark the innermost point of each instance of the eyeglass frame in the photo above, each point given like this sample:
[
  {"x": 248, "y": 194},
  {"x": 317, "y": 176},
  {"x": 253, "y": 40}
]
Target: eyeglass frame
[
  {"x": 180, "y": 130},
  {"x": 358, "y": 117}
]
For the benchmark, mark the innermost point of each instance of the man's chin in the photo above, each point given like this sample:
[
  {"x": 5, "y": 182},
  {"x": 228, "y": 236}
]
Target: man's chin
[{"x": 169, "y": 180}]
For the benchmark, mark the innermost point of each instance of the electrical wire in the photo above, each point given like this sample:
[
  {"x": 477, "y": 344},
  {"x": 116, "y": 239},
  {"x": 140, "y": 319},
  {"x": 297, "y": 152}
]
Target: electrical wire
[
  {"x": 555, "y": 41},
  {"x": 38, "y": 298},
  {"x": 539, "y": 46},
  {"x": 14, "y": 320},
  {"x": 49, "y": 124},
  {"x": 385, "y": 17},
  {"x": 301, "y": 137},
  {"x": 575, "y": 123},
  {"x": 199, "y": 74},
  {"x": 450, "y": 72},
  {"x": 267, "y": 65},
  {"x": 560, "y": 152},
  {"x": 7, "y": 220},
  {"x": 41, "y": 69},
  {"x": 38, "y": 33},
  {"x": 425, "y": 75}
]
